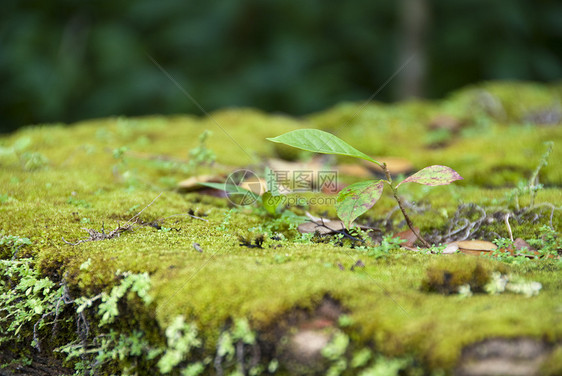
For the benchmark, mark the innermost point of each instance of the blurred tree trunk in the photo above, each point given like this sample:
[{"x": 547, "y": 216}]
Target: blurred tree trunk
[{"x": 414, "y": 15}]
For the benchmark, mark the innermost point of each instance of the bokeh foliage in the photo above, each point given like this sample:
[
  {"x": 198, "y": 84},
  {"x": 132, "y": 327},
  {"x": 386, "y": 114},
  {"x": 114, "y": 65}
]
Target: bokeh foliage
[{"x": 66, "y": 60}]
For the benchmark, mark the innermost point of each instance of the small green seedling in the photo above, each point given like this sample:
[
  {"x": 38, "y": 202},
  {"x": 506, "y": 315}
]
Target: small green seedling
[{"x": 357, "y": 198}]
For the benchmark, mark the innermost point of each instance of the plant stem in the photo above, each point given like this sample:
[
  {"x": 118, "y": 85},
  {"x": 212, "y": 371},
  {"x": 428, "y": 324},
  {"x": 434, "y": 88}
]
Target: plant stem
[{"x": 406, "y": 217}]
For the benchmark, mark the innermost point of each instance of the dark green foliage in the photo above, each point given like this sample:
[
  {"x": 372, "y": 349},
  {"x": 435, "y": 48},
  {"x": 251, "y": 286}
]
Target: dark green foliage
[{"x": 69, "y": 60}]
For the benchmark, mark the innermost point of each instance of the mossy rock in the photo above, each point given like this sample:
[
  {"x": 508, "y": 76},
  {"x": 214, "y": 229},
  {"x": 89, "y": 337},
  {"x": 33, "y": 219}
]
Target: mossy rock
[
  {"x": 448, "y": 274},
  {"x": 58, "y": 183}
]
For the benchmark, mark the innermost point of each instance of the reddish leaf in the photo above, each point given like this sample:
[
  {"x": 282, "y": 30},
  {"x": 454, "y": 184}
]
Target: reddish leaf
[
  {"x": 356, "y": 199},
  {"x": 433, "y": 175},
  {"x": 520, "y": 244},
  {"x": 408, "y": 236}
]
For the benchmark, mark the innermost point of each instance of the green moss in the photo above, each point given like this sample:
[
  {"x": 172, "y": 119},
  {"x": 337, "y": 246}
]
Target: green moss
[
  {"x": 495, "y": 145},
  {"x": 553, "y": 365},
  {"x": 84, "y": 186},
  {"x": 448, "y": 274}
]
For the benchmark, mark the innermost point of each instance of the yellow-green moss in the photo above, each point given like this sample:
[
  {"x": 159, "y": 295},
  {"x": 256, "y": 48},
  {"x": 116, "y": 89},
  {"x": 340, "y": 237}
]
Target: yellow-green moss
[
  {"x": 83, "y": 186},
  {"x": 448, "y": 274},
  {"x": 553, "y": 364}
]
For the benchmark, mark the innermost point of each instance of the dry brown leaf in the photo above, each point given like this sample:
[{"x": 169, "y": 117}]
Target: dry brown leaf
[
  {"x": 450, "y": 248},
  {"x": 475, "y": 247},
  {"x": 409, "y": 237},
  {"x": 519, "y": 244},
  {"x": 192, "y": 184},
  {"x": 323, "y": 228},
  {"x": 255, "y": 185}
]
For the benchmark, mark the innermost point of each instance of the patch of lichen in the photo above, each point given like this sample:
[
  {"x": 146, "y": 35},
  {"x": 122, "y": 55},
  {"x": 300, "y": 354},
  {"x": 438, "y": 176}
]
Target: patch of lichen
[{"x": 84, "y": 186}]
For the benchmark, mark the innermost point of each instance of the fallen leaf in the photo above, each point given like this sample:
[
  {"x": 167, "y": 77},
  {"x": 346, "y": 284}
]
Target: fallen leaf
[
  {"x": 316, "y": 219},
  {"x": 255, "y": 185},
  {"x": 475, "y": 247},
  {"x": 193, "y": 183},
  {"x": 450, "y": 249},
  {"x": 323, "y": 228},
  {"x": 409, "y": 237},
  {"x": 520, "y": 244}
]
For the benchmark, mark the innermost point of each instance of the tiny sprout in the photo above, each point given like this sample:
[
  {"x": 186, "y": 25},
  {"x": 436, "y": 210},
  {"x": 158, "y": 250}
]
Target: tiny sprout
[{"x": 357, "y": 198}]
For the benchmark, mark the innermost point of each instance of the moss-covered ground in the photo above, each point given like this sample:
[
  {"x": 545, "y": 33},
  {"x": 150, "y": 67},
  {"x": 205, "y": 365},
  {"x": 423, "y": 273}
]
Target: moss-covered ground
[{"x": 57, "y": 180}]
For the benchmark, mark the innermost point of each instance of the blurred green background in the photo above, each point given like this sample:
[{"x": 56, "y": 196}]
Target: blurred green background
[{"x": 66, "y": 60}]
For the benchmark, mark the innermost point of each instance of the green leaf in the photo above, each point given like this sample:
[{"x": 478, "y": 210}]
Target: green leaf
[
  {"x": 223, "y": 187},
  {"x": 356, "y": 199},
  {"x": 271, "y": 202},
  {"x": 433, "y": 175},
  {"x": 320, "y": 142}
]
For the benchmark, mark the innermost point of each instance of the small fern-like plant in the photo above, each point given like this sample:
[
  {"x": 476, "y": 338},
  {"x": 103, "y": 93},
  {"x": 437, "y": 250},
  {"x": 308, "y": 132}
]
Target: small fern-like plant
[{"x": 357, "y": 198}]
